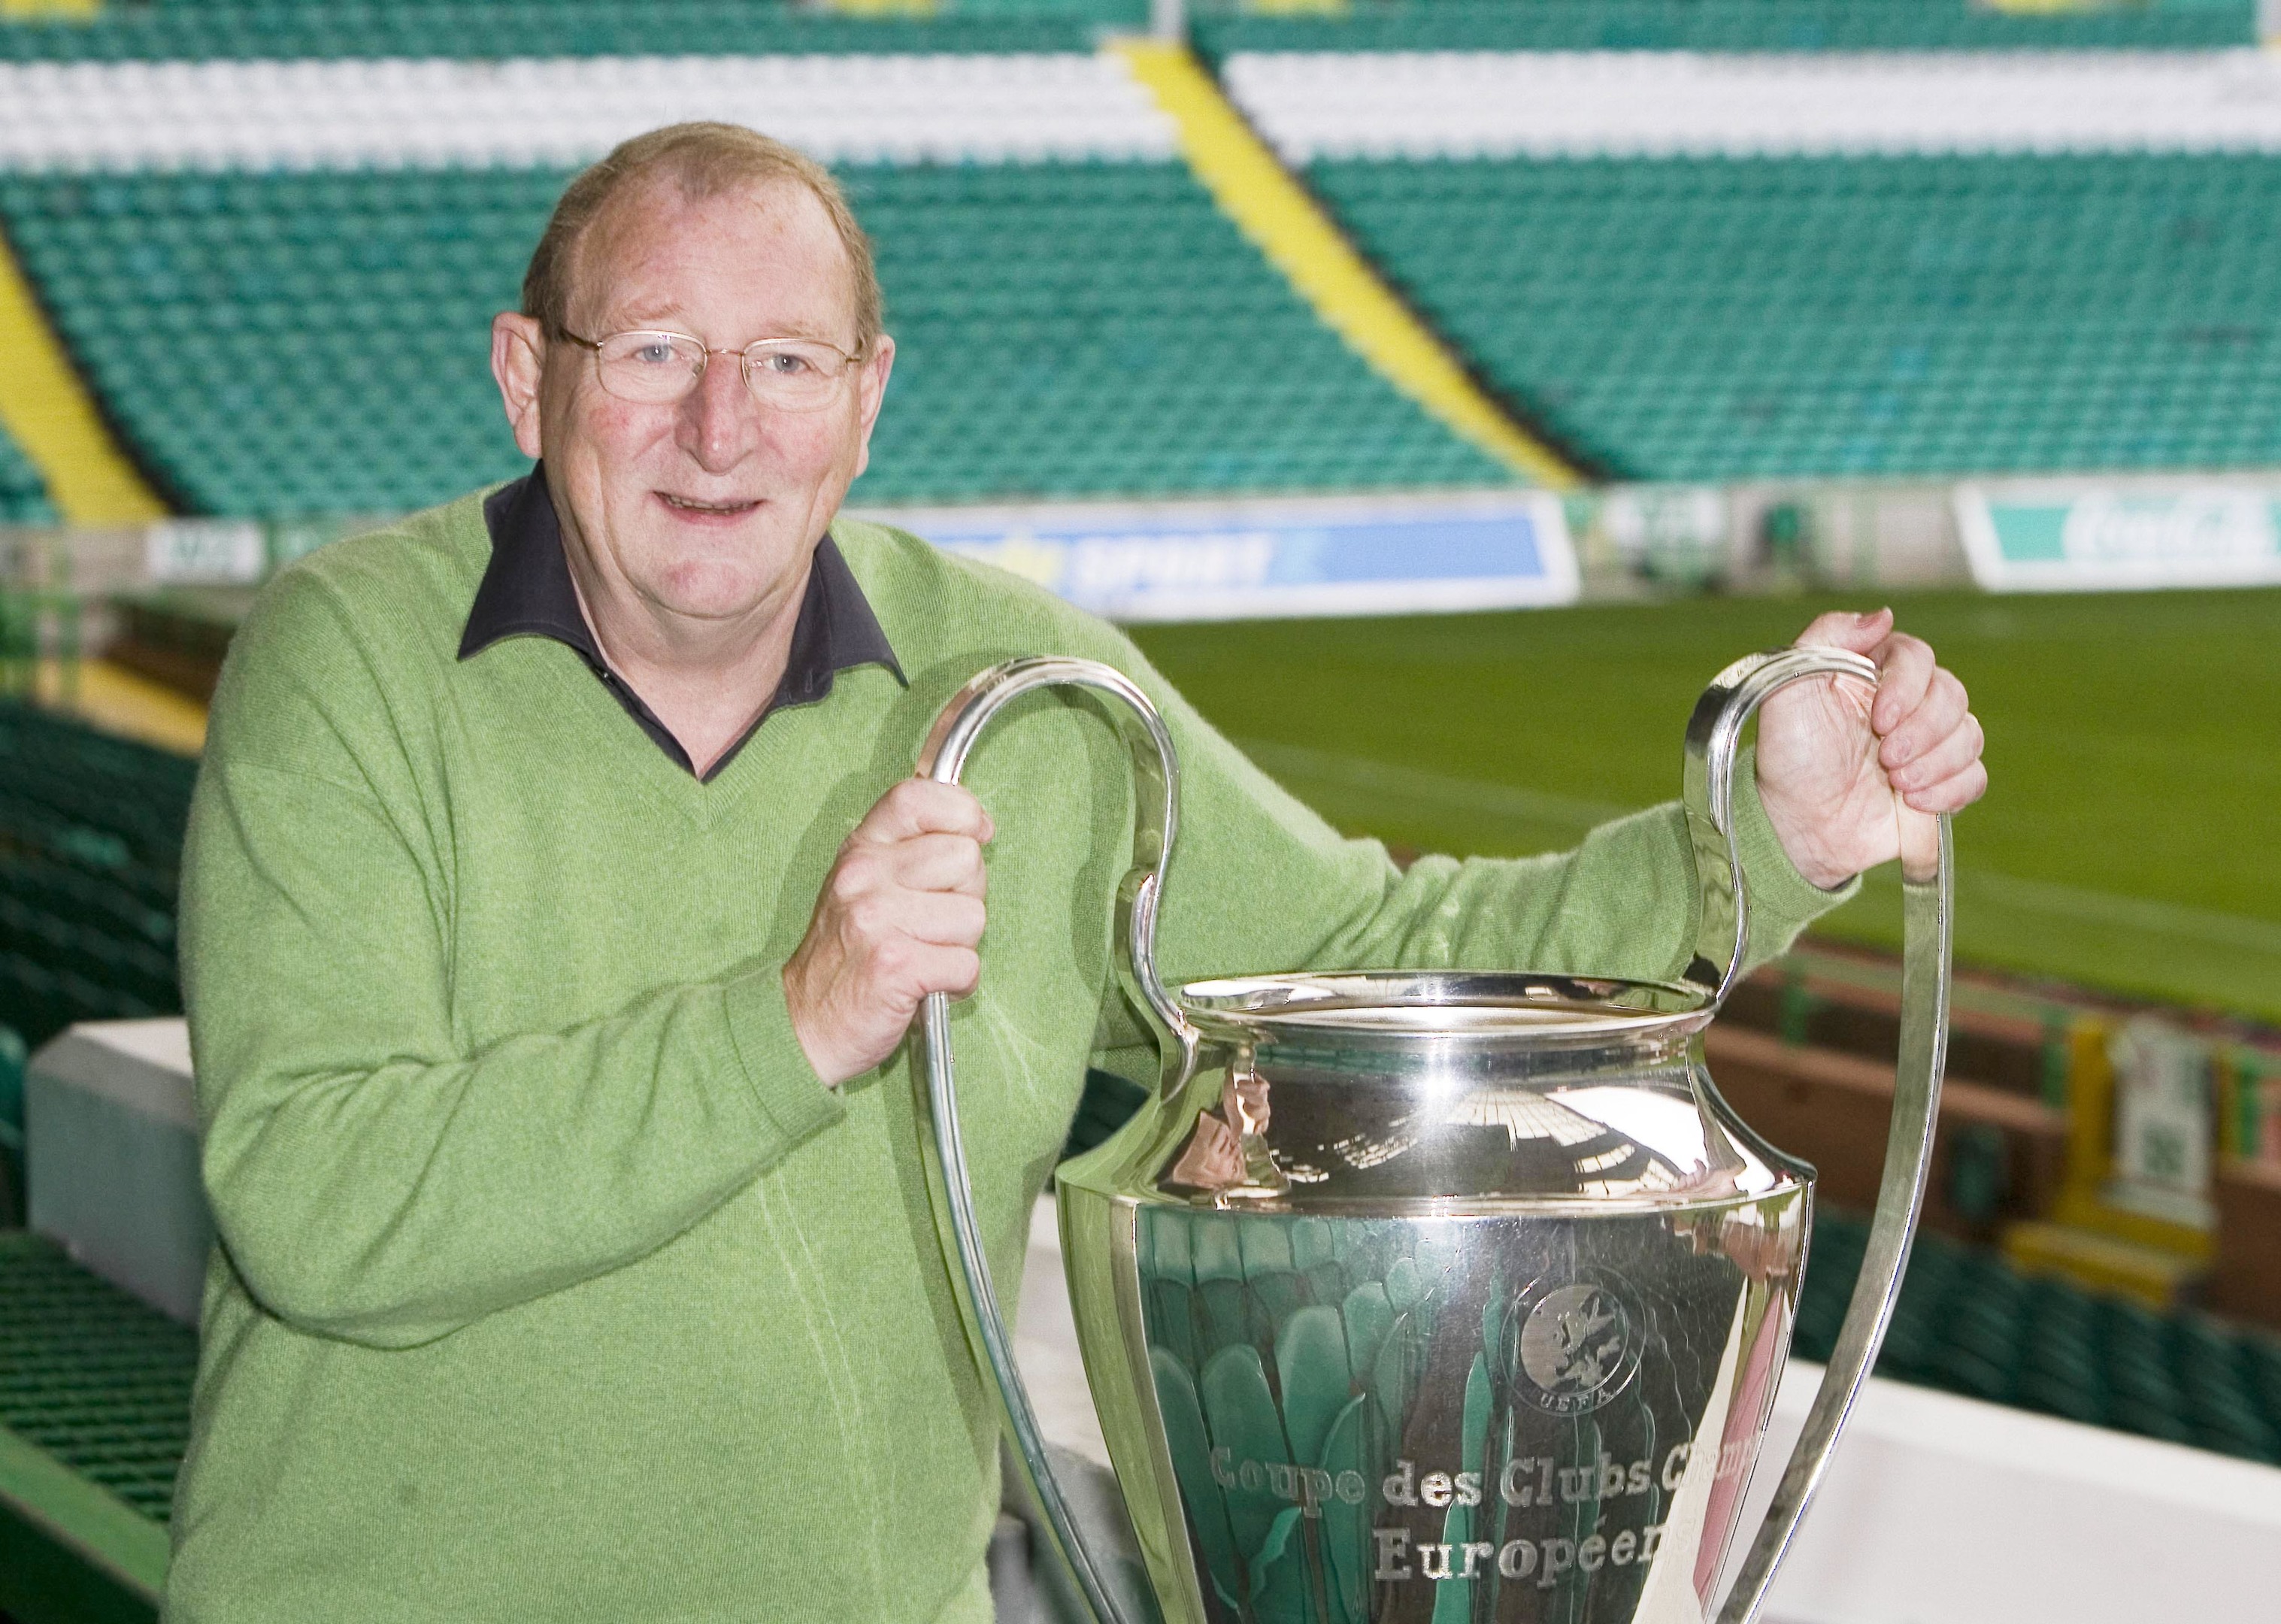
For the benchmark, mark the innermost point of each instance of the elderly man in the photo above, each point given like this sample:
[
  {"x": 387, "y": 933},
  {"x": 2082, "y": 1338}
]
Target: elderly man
[{"x": 575, "y": 1261}]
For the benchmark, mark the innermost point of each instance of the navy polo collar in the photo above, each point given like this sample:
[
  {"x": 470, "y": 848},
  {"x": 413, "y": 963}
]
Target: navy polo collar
[{"x": 526, "y": 591}]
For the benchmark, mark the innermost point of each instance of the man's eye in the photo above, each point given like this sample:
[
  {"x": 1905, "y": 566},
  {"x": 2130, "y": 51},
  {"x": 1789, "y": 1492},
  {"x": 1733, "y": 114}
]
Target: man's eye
[
  {"x": 654, "y": 352},
  {"x": 785, "y": 364}
]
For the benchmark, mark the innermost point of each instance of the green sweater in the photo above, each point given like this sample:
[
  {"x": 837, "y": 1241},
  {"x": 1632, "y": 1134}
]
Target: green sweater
[{"x": 552, "y": 1285}]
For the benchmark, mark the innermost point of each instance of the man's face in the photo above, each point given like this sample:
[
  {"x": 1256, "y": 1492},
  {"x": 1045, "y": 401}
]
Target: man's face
[{"x": 708, "y": 506}]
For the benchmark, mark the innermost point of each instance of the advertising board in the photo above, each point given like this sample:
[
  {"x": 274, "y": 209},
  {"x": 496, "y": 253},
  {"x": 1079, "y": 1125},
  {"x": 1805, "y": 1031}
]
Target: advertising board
[
  {"x": 1270, "y": 559},
  {"x": 2061, "y": 538}
]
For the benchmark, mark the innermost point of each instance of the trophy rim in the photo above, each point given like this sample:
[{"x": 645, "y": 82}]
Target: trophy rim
[{"x": 1498, "y": 1007}]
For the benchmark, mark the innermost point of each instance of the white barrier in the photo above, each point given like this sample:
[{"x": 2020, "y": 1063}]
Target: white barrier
[
  {"x": 354, "y": 113},
  {"x": 1672, "y": 103}
]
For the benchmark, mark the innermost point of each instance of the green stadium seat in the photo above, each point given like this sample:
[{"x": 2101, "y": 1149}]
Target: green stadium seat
[
  {"x": 244, "y": 29},
  {"x": 90, "y": 836},
  {"x": 23, "y": 492},
  {"x": 1224, "y": 27},
  {"x": 1065, "y": 330},
  {"x": 12, "y": 1055},
  {"x": 1968, "y": 1323},
  {"x": 1711, "y": 319},
  {"x": 93, "y": 1376}
]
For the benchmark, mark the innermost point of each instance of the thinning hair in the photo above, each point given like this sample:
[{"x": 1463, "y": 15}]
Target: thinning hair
[{"x": 703, "y": 160}]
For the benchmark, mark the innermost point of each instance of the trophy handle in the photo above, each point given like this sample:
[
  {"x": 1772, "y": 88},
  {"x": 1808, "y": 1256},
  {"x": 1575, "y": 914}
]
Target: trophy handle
[
  {"x": 1156, "y": 820},
  {"x": 1714, "y": 735}
]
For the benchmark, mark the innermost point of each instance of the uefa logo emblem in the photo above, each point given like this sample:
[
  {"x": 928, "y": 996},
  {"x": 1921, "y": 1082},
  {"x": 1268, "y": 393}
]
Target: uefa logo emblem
[{"x": 1579, "y": 1342}]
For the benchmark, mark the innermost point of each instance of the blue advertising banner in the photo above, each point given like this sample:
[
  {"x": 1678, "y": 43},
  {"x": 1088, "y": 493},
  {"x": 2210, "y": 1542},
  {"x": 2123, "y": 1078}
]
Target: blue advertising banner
[{"x": 1273, "y": 560}]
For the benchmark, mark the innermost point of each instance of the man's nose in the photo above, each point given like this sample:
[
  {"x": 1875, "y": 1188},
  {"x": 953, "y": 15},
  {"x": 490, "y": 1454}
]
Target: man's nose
[{"x": 720, "y": 419}]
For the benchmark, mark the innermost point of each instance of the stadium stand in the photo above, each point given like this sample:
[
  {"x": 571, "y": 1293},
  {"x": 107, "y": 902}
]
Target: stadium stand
[
  {"x": 290, "y": 29},
  {"x": 1994, "y": 314},
  {"x": 92, "y": 1375},
  {"x": 1221, "y": 30},
  {"x": 90, "y": 839},
  {"x": 287, "y": 327},
  {"x": 1968, "y": 1322},
  {"x": 1706, "y": 268},
  {"x": 23, "y": 493}
]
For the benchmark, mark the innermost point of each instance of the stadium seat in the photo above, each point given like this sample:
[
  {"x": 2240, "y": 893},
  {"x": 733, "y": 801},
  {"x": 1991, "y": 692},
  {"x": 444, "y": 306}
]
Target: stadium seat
[
  {"x": 318, "y": 341},
  {"x": 1724, "y": 26},
  {"x": 1733, "y": 317},
  {"x": 23, "y": 493},
  {"x": 90, "y": 840},
  {"x": 12, "y": 1055},
  {"x": 1967, "y": 1321},
  {"x": 91, "y": 1376},
  {"x": 287, "y": 29}
]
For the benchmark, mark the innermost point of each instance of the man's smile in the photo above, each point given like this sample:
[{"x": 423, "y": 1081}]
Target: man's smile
[{"x": 700, "y": 509}]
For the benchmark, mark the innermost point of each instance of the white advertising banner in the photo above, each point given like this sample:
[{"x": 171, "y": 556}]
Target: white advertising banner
[
  {"x": 1256, "y": 560},
  {"x": 2060, "y": 538},
  {"x": 205, "y": 552}
]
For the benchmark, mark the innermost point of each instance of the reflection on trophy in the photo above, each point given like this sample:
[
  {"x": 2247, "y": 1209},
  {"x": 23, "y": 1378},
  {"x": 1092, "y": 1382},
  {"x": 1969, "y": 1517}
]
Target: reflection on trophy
[{"x": 1442, "y": 1296}]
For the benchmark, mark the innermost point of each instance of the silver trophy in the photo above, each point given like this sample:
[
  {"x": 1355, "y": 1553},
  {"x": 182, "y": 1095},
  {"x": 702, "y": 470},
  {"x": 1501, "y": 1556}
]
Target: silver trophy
[{"x": 1441, "y": 1295}]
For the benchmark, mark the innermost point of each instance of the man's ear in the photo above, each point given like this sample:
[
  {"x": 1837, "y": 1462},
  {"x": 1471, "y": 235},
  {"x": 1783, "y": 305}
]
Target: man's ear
[
  {"x": 870, "y": 392},
  {"x": 518, "y": 362}
]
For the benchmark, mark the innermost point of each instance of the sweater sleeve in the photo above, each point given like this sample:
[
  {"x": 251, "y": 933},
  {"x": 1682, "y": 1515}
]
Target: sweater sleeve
[
  {"x": 369, "y": 1180},
  {"x": 1260, "y": 884}
]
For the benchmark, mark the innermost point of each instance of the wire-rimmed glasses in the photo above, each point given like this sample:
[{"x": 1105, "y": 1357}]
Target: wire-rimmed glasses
[{"x": 657, "y": 367}]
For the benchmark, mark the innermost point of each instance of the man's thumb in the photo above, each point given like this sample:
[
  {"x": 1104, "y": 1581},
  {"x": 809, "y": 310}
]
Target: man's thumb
[{"x": 1842, "y": 628}]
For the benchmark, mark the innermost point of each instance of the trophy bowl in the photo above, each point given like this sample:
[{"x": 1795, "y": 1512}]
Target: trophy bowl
[{"x": 1444, "y": 1297}]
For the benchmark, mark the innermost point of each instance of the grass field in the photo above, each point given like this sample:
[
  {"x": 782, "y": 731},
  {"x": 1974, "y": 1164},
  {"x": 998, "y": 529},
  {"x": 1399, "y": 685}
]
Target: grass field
[{"x": 2128, "y": 841}]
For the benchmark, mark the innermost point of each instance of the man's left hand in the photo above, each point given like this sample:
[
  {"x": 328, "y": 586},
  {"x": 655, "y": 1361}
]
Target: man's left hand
[{"x": 1835, "y": 763}]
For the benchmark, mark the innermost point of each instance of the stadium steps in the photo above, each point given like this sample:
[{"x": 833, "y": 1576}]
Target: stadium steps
[
  {"x": 1287, "y": 225},
  {"x": 124, "y": 702},
  {"x": 56, "y": 454}
]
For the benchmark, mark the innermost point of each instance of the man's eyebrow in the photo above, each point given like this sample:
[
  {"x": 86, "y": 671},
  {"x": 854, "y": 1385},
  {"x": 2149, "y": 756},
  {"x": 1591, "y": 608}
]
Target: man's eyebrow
[
  {"x": 642, "y": 316},
  {"x": 803, "y": 330}
]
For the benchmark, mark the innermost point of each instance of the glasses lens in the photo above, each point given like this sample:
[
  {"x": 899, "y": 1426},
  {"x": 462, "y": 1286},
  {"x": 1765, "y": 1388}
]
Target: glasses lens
[
  {"x": 794, "y": 375},
  {"x": 652, "y": 366}
]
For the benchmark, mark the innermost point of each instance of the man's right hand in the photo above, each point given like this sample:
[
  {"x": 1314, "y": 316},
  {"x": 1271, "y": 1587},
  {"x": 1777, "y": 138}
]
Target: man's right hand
[{"x": 900, "y": 916}]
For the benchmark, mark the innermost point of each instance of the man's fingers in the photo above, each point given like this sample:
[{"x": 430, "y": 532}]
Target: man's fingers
[
  {"x": 1952, "y": 793},
  {"x": 878, "y": 925},
  {"x": 1947, "y": 756},
  {"x": 1905, "y": 670},
  {"x": 940, "y": 862},
  {"x": 945, "y": 918},
  {"x": 899, "y": 918},
  {"x": 907, "y": 968},
  {"x": 921, "y": 806},
  {"x": 1844, "y": 629},
  {"x": 961, "y": 971},
  {"x": 940, "y": 967},
  {"x": 1937, "y": 716}
]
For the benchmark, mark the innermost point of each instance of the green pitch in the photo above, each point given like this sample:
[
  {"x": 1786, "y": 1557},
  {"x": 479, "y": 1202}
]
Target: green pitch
[{"x": 2130, "y": 839}]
